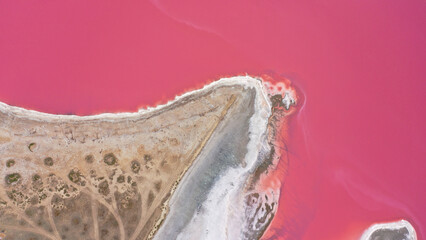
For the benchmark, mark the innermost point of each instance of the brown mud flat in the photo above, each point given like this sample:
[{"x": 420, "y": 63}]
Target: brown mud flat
[{"x": 105, "y": 176}]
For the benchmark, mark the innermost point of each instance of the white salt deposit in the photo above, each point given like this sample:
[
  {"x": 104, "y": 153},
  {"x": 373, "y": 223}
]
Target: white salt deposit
[
  {"x": 391, "y": 226},
  {"x": 222, "y": 215}
]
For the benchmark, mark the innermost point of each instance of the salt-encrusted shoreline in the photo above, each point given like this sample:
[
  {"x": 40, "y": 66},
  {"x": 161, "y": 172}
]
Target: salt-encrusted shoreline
[
  {"x": 230, "y": 205},
  {"x": 390, "y": 226},
  {"x": 223, "y": 214},
  {"x": 36, "y": 115}
]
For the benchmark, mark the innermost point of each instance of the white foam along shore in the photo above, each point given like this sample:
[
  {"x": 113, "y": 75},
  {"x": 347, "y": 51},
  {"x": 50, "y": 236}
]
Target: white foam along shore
[{"x": 390, "y": 226}]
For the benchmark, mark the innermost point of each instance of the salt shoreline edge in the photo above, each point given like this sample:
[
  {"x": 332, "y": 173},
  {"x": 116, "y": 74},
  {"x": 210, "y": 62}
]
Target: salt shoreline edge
[
  {"x": 245, "y": 81},
  {"x": 390, "y": 226}
]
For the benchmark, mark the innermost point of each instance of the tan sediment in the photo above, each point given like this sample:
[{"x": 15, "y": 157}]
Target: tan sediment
[
  {"x": 165, "y": 142},
  {"x": 197, "y": 151},
  {"x": 111, "y": 176}
]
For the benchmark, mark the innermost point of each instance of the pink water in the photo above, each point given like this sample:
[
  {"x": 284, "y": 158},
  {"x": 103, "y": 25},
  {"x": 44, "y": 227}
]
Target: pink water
[{"x": 357, "y": 144}]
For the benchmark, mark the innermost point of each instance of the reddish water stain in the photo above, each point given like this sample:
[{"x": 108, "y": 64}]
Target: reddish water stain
[{"x": 356, "y": 153}]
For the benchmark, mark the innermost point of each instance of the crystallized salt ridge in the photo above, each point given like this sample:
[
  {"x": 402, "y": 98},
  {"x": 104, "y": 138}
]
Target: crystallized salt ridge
[{"x": 390, "y": 226}]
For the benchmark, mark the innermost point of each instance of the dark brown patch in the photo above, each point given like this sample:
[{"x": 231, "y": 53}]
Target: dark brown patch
[
  {"x": 135, "y": 166},
  {"x": 110, "y": 159},
  {"x": 10, "y": 163},
  {"x": 151, "y": 197},
  {"x": 74, "y": 175},
  {"x": 48, "y": 161},
  {"x": 12, "y": 178},
  {"x": 147, "y": 157},
  {"x": 157, "y": 186},
  {"x": 121, "y": 179},
  {"x": 36, "y": 177},
  {"x": 103, "y": 188},
  {"x": 32, "y": 146},
  {"x": 89, "y": 158}
]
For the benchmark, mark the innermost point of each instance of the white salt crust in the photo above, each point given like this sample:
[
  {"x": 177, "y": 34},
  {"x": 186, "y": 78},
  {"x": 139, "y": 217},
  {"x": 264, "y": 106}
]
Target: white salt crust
[
  {"x": 19, "y": 112},
  {"x": 391, "y": 226},
  {"x": 223, "y": 213}
]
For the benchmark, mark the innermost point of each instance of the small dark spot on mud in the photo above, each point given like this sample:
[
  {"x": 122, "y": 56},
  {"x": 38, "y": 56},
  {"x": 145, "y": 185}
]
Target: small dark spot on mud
[
  {"x": 48, "y": 161},
  {"x": 147, "y": 157},
  {"x": 10, "y": 163},
  {"x": 104, "y": 188},
  {"x": 36, "y": 177},
  {"x": 151, "y": 197},
  {"x": 32, "y": 146},
  {"x": 43, "y": 196},
  {"x": 121, "y": 179},
  {"x": 74, "y": 175},
  {"x": 136, "y": 166},
  {"x": 89, "y": 158},
  {"x": 157, "y": 186},
  {"x": 12, "y": 178},
  {"x": 110, "y": 159}
]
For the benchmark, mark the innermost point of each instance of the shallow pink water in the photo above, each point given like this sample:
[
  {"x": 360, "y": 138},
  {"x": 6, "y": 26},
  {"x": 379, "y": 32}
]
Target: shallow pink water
[{"x": 357, "y": 144}]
